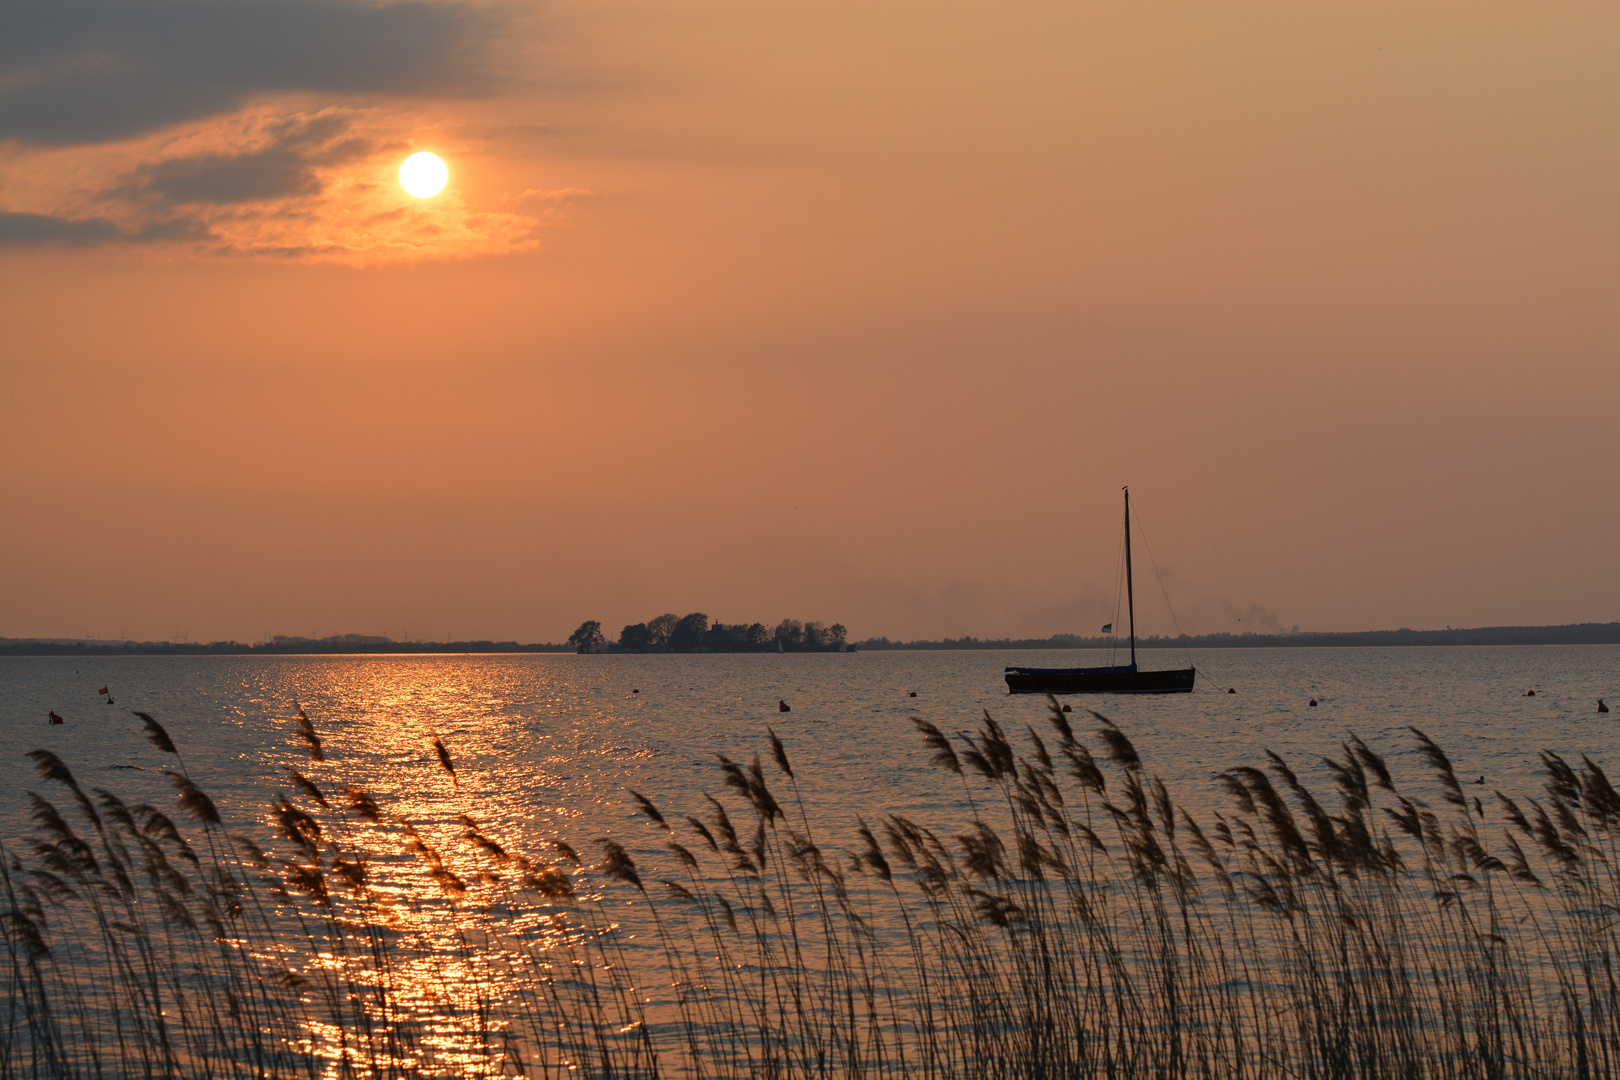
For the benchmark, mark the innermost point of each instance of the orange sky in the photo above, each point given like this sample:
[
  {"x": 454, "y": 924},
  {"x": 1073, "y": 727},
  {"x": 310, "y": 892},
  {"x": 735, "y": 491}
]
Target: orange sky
[{"x": 842, "y": 311}]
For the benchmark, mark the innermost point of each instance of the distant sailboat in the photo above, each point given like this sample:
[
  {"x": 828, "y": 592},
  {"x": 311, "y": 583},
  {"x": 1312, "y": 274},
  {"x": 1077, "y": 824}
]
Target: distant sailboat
[{"x": 1116, "y": 679}]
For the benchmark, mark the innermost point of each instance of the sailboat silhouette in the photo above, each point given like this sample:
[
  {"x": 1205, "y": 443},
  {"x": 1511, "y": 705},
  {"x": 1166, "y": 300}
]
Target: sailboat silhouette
[{"x": 1117, "y": 679}]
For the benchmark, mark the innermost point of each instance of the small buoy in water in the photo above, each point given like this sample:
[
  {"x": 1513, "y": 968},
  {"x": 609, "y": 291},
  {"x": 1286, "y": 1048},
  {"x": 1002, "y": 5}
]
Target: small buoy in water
[
  {"x": 1231, "y": 690},
  {"x": 782, "y": 706},
  {"x": 1313, "y": 703},
  {"x": 1529, "y": 693},
  {"x": 1481, "y": 780},
  {"x": 1602, "y": 707},
  {"x": 912, "y": 694},
  {"x": 635, "y": 691},
  {"x": 54, "y": 718},
  {"x": 1067, "y": 708},
  {"x": 110, "y": 701}
]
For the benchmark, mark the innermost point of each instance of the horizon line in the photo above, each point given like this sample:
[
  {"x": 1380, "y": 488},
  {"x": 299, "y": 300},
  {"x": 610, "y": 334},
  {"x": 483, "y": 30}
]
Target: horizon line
[{"x": 1577, "y": 633}]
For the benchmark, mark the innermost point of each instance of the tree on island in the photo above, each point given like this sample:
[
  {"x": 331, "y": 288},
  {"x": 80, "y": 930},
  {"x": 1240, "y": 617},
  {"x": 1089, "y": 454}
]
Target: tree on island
[
  {"x": 636, "y": 637},
  {"x": 789, "y": 634},
  {"x": 695, "y": 633},
  {"x": 588, "y": 638},
  {"x": 662, "y": 627},
  {"x": 688, "y": 633}
]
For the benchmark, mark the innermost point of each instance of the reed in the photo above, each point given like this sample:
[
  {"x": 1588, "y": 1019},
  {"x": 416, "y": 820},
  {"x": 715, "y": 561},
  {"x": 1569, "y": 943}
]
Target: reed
[{"x": 1074, "y": 920}]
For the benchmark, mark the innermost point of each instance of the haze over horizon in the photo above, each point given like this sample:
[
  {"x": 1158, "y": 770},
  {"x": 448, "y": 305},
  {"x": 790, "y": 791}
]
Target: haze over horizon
[{"x": 842, "y": 312}]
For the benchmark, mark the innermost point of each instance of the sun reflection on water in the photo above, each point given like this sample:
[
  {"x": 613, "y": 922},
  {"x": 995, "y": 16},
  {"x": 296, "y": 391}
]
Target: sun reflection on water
[{"x": 431, "y": 919}]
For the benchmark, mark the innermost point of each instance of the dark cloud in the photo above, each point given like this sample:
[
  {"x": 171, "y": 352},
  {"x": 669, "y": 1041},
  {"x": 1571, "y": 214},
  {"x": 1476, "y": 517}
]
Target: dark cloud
[
  {"x": 44, "y": 230},
  {"x": 284, "y": 166},
  {"x": 155, "y": 202},
  {"x": 228, "y": 178},
  {"x": 86, "y": 71}
]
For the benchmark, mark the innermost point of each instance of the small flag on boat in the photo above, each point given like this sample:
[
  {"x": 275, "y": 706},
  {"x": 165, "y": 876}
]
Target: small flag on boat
[
  {"x": 102, "y": 691},
  {"x": 1108, "y": 628}
]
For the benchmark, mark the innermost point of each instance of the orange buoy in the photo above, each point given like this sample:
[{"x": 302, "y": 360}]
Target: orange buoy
[
  {"x": 1602, "y": 707},
  {"x": 782, "y": 706},
  {"x": 54, "y": 718},
  {"x": 1313, "y": 703},
  {"x": 912, "y": 694},
  {"x": 1231, "y": 690}
]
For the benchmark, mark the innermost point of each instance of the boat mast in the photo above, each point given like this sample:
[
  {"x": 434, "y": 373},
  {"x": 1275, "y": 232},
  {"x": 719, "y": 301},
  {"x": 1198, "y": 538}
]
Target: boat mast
[{"x": 1130, "y": 599}]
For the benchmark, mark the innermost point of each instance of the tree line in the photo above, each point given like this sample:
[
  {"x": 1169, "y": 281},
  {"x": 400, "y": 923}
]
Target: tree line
[{"x": 694, "y": 633}]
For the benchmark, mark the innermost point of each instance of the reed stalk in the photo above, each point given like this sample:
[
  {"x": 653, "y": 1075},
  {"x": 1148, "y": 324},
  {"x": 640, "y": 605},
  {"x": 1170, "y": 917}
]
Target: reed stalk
[{"x": 1070, "y": 919}]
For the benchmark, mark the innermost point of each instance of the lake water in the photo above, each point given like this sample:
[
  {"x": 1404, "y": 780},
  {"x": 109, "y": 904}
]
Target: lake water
[
  {"x": 550, "y": 743},
  {"x": 550, "y": 746}
]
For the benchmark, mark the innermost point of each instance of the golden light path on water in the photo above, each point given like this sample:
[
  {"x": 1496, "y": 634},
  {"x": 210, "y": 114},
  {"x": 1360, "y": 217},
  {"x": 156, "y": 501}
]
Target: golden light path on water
[
  {"x": 457, "y": 968},
  {"x": 440, "y": 930}
]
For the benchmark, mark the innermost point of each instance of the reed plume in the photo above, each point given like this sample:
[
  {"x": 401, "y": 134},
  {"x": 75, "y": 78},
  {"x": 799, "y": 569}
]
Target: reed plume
[{"x": 1067, "y": 916}]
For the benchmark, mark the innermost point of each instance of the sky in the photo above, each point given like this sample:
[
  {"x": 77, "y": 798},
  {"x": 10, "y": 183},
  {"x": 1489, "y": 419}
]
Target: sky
[{"x": 857, "y": 312}]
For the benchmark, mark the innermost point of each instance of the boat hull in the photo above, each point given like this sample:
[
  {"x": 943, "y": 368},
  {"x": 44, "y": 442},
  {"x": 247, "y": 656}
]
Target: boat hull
[{"x": 1117, "y": 680}]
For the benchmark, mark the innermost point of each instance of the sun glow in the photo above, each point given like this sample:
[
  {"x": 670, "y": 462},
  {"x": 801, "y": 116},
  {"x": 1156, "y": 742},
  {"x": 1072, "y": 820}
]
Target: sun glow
[{"x": 423, "y": 175}]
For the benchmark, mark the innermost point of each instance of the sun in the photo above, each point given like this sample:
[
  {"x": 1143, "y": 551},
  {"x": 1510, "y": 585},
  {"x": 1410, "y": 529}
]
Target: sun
[{"x": 423, "y": 175}]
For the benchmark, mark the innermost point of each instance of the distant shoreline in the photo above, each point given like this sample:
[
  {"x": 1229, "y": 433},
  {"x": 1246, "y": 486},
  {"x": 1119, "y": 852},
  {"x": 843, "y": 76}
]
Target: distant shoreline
[
  {"x": 26, "y": 647},
  {"x": 1568, "y": 634}
]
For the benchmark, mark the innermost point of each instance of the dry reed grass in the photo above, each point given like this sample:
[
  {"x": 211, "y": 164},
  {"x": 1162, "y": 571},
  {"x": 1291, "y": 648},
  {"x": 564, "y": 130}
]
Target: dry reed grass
[{"x": 1078, "y": 924}]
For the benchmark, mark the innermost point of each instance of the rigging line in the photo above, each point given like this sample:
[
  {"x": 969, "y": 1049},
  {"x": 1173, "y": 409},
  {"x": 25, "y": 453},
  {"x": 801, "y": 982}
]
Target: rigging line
[
  {"x": 1162, "y": 590},
  {"x": 1160, "y": 578}
]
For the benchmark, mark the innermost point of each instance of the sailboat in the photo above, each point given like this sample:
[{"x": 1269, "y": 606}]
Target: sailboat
[{"x": 1115, "y": 679}]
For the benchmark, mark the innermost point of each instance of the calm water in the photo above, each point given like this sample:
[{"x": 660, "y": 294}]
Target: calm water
[{"x": 547, "y": 744}]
